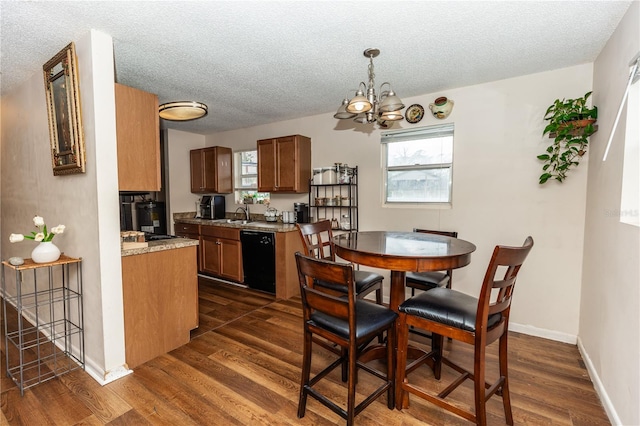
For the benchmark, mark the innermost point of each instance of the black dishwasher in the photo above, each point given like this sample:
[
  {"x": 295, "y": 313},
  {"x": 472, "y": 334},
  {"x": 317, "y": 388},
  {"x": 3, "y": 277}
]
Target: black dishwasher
[{"x": 259, "y": 260}]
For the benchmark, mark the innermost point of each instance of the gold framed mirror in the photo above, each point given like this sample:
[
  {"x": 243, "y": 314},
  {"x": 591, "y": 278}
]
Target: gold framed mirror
[{"x": 65, "y": 118}]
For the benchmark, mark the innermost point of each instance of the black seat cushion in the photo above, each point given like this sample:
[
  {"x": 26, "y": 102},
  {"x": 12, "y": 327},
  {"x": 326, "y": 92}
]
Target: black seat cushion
[
  {"x": 364, "y": 281},
  {"x": 427, "y": 280},
  {"x": 448, "y": 307},
  {"x": 370, "y": 318}
]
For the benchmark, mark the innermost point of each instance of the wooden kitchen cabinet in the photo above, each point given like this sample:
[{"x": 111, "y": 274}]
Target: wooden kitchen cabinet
[
  {"x": 221, "y": 252},
  {"x": 191, "y": 231},
  {"x": 160, "y": 300},
  {"x": 138, "y": 139},
  {"x": 284, "y": 164},
  {"x": 211, "y": 170}
]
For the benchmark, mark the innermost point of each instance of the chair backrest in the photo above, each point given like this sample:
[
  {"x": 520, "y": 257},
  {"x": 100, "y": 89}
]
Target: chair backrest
[
  {"x": 317, "y": 239},
  {"x": 319, "y": 298},
  {"x": 491, "y": 302},
  {"x": 452, "y": 234}
]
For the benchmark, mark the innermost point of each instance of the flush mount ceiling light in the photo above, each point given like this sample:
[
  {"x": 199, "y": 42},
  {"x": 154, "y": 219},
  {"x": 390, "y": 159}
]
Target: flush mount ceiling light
[
  {"x": 182, "y": 111},
  {"x": 371, "y": 108}
]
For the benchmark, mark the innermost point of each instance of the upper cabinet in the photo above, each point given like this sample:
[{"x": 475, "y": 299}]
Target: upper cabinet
[
  {"x": 211, "y": 170},
  {"x": 138, "y": 134},
  {"x": 284, "y": 164}
]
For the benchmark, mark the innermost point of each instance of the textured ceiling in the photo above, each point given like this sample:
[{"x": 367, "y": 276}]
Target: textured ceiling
[{"x": 259, "y": 62}]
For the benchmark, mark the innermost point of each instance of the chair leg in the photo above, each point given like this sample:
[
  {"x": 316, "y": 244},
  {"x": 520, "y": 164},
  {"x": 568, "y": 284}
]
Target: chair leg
[
  {"x": 401, "y": 397},
  {"x": 306, "y": 373},
  {"x": 379, "y": 295},
  {"x": 391, "y": 362},
  {"x": 345, "y": 364},
  {"x": 351, "y": 396},
  {"x": 437, "y": 342},
  {"x": 506, "y": 398},
  {"x": 479, "y": 385},
  {"x": 379, "y": 302}
]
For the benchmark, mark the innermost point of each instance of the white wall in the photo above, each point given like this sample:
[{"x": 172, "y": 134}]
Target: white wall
[
  {"x": 86, "y": 203},
  {"x": 496, "y": 195},
  {"x": 177, "y": 167},
  {"x": 610, "y": 318}
]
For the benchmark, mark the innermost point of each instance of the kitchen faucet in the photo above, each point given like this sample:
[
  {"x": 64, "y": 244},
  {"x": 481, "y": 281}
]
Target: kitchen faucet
[{"x": 245, "y": 210}]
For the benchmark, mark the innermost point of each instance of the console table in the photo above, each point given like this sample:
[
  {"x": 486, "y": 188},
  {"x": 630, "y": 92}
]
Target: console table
[{"x": 43, "y": 320}]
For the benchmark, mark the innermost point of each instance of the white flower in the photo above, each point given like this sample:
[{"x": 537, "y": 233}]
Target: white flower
[
  {"x": 16, "y": 238},
  {"x": 42, "y": 233},
  {"x": 58, "y": 229}
]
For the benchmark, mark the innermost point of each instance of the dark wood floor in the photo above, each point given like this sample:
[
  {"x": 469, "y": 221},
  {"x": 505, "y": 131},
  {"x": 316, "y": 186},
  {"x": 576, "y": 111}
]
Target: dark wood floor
[{"x": 242, "y": 367}]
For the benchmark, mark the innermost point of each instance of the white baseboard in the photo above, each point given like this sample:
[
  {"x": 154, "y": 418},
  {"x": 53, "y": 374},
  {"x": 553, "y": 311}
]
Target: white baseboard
[
  {"x": 102, "y": 377},
  {"x": 544, "y": 333},
  {"x": 599, "y": 387}
]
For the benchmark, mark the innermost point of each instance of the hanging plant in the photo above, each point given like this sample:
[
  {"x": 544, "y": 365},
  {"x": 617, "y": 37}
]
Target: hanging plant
[{"x": 571, "y": 122}]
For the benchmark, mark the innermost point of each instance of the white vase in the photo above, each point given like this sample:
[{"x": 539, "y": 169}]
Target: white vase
[{"x": 45, "y": 252}]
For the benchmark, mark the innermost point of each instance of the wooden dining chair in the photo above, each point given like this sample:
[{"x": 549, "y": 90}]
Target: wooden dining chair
[
  {"x": 476, "y": 321},
  {"x": 429, "y": 280},
  {"x": 349, "y": 322},
  {"x": 317, "y": 240}
]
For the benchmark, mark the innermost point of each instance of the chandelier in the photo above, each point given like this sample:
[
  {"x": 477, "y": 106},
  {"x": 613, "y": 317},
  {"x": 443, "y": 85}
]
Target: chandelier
[{"x": 371, "y": 108}]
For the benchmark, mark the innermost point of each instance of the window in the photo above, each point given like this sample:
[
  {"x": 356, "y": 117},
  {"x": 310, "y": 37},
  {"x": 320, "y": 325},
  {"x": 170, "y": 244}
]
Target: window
[
  {"x": 418, "y": 165},
  {"x": 246, "y": 178},
  {"x": 630, "y": 198}
]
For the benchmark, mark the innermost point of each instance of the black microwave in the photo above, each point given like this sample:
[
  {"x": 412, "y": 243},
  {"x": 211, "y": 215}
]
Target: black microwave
[{"x": 212, "y": 207}]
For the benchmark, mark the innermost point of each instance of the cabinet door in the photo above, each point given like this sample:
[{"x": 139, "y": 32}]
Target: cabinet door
[
  {"x": 211, "y": 170},
  {"x": 217, "y": 164},
  {"x": 197, "y": 173},
  {"x": 287, "y": 164},
  {"x": 231, "y": 260},
  {"x": 138, "y": 139},
  {"x": 267, "y": 165},
  {"x": 284, "y": 164},
  {"x": 210, "y": 255}
]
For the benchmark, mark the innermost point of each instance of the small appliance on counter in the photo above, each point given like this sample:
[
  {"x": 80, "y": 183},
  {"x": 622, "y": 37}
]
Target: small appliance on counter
[
  {"x": 288, "y": 217},
  {"x": 302, "y": 212},
  {"x": 271, "y": 215},
  {"x": 212, "y": 207},
  {"x": 151, "y": 217}
]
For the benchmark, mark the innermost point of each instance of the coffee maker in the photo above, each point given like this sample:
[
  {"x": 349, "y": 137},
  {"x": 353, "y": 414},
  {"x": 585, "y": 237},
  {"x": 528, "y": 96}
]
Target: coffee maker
[
  {"x": 302, "y": 212},
  {"x": 212, "y": 207}
]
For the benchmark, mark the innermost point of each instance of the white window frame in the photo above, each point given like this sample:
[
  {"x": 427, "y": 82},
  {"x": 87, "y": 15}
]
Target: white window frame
[
  {"x": 430, "y": 132},
  {"x": 629, "y": 200},
  {"x": 237, "y": 173},
  {"x": 239, "y": 190}
]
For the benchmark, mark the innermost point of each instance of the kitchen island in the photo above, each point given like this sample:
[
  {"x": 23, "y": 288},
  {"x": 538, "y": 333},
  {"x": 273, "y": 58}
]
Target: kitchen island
[
  {"x": 160, "y": 297},
  {"x": 287, "y": 242}
]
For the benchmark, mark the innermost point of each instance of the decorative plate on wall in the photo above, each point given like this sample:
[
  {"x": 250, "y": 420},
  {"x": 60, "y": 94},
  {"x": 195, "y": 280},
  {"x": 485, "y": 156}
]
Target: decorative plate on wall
[{"x": 414, "y": 113}]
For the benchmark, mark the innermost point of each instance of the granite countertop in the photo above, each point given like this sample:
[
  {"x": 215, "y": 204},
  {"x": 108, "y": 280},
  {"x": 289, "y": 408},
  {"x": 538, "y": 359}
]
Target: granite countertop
[
  {"x": 228, "y": 223},
  {"x": 170, "y": 244}
]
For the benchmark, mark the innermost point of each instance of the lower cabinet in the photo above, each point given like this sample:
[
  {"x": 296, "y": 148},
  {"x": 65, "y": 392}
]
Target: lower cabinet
[
  {"x": 160, "y": 295},
  {"x": 221, "y": 252},
  {"x": 191, "y": 231}
]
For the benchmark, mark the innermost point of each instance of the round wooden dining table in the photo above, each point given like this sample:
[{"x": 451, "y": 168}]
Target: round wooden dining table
[{"x": 401, "y": 252}]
